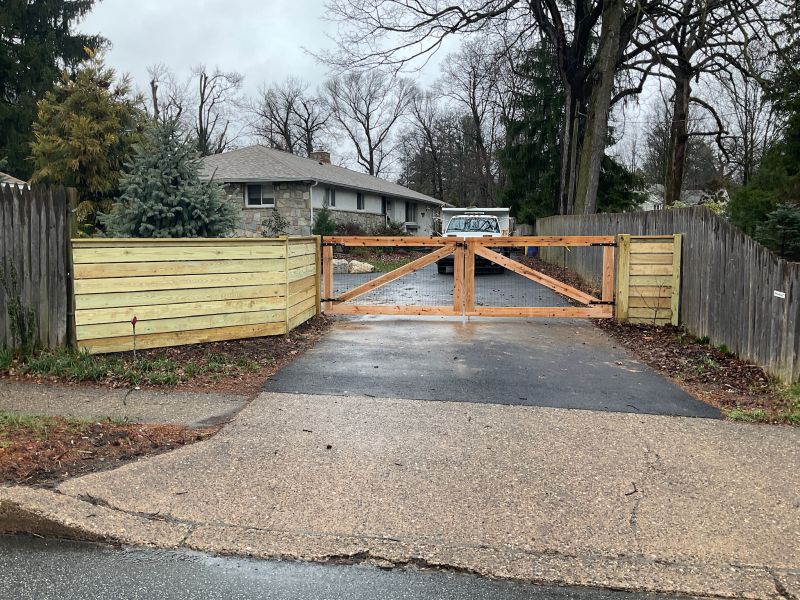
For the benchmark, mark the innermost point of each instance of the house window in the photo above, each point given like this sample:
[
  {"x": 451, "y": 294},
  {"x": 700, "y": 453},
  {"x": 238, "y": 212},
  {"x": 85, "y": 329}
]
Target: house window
[
  {"x": 411, "y": 212},
  {"x": 259, "y": 195},
  {"x": 359, "y": 201},
  {"x": 383, "y": 205},
  {"x": 330, "y": 196}
]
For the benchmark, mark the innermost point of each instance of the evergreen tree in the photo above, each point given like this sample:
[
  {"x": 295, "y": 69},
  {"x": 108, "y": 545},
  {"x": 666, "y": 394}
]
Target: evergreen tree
[
  {"x": 620, "y": 189},
  {"x": 37, "y": 41},
  {"x": 162, "y": 195},
  {"x": 531, "y": 157},
  {"x": 324, "y": 223},
  {"x": 781, "y": 231},
  {"x": 84, "y": 133}
]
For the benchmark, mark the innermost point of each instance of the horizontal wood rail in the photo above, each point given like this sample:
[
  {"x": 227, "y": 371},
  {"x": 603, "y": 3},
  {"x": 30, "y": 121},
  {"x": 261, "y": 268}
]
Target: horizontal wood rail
[
  {"x": 361, "y": 241},
  {"x": 496, "y": 242}
]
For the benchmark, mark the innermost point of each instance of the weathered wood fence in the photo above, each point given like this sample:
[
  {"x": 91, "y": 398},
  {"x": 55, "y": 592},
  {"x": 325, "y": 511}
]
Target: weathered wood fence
[
  {"x": 188, "y": 291},
  {"x": 34, "y": 253},
  {"x": 733, "y": 290}
]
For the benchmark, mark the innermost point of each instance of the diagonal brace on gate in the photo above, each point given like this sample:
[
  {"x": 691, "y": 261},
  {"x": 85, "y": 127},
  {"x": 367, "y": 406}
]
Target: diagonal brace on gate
[
  {"x": 532, "y": 274},
  {"x": 415, "y": 265}
]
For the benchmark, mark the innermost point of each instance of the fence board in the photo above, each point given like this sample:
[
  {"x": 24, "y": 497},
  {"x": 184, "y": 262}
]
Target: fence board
[
  {"x": 727, "y": 280},
  {"x": 33, "y": 233}
]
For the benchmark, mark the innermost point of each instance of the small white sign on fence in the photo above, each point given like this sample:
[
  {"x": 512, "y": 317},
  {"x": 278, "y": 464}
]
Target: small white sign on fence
[{"x": 778, "y": 294}]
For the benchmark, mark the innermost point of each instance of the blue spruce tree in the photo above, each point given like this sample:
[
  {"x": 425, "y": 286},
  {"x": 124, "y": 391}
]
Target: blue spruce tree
[{"x": 162, "y": 195}]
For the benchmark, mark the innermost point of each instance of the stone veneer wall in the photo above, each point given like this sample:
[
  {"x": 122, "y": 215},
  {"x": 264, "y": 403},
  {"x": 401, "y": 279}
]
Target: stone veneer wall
[
  {"x": 367, "y": 221},
  {"x": 293, "y": 201}
]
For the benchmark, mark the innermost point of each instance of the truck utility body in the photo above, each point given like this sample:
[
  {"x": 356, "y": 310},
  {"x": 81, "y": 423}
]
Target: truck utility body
[{"x": 474, "y": 223}]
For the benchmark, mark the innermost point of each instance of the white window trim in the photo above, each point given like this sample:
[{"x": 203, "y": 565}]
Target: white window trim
[{"x": 262, "y": 205}]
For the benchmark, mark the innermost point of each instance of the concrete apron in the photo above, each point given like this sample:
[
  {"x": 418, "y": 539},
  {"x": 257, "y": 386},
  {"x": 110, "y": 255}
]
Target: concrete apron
[{"x": 638, "y": 502}]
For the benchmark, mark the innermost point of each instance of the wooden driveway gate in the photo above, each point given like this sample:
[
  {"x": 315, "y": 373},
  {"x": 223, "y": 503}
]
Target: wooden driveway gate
[{"x": 357, "y": 295}]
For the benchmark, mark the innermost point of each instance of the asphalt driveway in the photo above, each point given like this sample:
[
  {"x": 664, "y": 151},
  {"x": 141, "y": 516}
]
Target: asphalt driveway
[{"x": 544, "y": 362}]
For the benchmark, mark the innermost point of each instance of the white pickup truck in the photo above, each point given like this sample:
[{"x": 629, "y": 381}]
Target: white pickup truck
[{"x": 472, "y": 224}]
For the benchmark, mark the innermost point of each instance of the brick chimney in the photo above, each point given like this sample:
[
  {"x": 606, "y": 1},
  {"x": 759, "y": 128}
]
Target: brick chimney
[{"x": 322, "y": 156}]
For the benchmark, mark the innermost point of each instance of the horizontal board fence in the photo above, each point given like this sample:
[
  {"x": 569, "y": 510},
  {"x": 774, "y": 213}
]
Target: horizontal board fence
[
  {"x": 188, "y": 291},
  {"x": 34, "y": 262},
  {"x": 733, "y": 290}
]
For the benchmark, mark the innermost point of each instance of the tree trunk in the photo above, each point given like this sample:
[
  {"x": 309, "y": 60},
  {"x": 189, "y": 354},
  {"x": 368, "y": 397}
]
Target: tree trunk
[
  {"x": 566, "y": 145},
  {"x": 595, "y": 134},
  {"x": 678, "y": 139}
]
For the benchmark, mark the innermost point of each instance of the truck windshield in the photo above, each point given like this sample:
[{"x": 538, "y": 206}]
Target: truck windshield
[{"x": 487, "y": 224}]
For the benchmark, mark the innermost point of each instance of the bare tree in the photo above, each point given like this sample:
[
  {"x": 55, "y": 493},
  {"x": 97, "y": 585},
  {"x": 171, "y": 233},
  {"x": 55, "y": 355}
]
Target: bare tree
[
  {"x": 169, "y": 98},
  {"x": 471, "y": 78},
  {"x": 423, "y": 137},
  {"x": 589, "y": 38},
  {"x": 752, "y": 123},
  {"x": 289, "y": 118},
  {"x": 216, "y": 94},
  {"x": 366, "y": 106}
]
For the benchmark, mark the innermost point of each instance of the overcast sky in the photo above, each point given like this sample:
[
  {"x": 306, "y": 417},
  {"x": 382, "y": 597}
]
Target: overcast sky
[{"x": 261, "y": 39}]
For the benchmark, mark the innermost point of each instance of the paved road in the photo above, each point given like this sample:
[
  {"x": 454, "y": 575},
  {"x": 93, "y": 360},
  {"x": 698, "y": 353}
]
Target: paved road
[
  {"x": 559, "y": 363},
  {"x": 58, "y": 570}
]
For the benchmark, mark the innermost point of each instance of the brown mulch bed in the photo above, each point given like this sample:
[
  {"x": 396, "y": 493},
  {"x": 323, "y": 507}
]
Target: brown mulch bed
[
  {"x": 56, "y": 449},
  {"x": 739, "y": 388}
]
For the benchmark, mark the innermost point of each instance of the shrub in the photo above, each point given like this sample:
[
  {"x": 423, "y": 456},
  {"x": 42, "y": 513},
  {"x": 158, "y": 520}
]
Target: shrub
[
  {"x": 389, "y": 230},
  {"x": 349, "y": 229},
  {"x": 275, "y": 225},
  {"x": 324, "y": 223}
]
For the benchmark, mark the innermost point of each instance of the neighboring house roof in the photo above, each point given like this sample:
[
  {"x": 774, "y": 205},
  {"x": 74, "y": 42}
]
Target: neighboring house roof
[
  {"x": 259, "y": 163},
  {"x": 6, "y": 178}
]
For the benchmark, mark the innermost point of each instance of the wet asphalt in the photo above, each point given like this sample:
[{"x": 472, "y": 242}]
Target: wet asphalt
[
  {"x": 557, "y": 363},
  {"x": 38, "y": 569}
]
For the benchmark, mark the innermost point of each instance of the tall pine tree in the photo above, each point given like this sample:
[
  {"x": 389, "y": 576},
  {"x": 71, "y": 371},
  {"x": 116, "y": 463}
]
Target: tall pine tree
[
  {"x": 163, "y": 196},
  {"x": 37, "y": 41},
  {"x": 531, "y": 157}
]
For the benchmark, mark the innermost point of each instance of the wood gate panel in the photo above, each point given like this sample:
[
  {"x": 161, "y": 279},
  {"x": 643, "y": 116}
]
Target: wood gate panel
[{"x": 464, "y": 252}]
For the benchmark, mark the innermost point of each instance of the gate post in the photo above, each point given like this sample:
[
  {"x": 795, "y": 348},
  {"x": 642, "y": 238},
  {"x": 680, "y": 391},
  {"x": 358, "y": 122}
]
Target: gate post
[
  {"x": 458, "y": 278},
  {"x": 623, "y": 276},
  {"x": 469, "y": 277}
]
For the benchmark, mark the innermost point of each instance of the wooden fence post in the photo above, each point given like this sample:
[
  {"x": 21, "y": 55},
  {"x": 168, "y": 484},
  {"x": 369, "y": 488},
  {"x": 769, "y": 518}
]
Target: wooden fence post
[
  {"x": 623, "y": 274},
  {"x": 317, "y": 275}
]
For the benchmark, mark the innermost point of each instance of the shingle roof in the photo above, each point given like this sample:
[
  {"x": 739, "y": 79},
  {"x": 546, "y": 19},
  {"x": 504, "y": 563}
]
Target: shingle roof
[
  {"x": 6, "y": 178},
  {"x": 259, "y": 163}
]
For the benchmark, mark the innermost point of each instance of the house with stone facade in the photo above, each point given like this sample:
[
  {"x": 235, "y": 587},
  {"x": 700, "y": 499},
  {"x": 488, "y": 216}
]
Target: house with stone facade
[{"x": 260, "y": 179}]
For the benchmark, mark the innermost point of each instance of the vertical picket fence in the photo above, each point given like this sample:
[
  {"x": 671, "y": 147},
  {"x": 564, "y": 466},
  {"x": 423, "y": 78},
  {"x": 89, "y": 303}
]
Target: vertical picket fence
[{"x": 34, "y": 254}]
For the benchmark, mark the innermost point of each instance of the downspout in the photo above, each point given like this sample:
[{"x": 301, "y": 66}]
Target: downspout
[{"x": 311, "y": 201}]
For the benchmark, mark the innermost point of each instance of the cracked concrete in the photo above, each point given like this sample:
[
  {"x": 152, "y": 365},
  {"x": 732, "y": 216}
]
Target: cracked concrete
[
  {"x": 626, "y": 501},
  {"x": 132, "y": 405}
]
